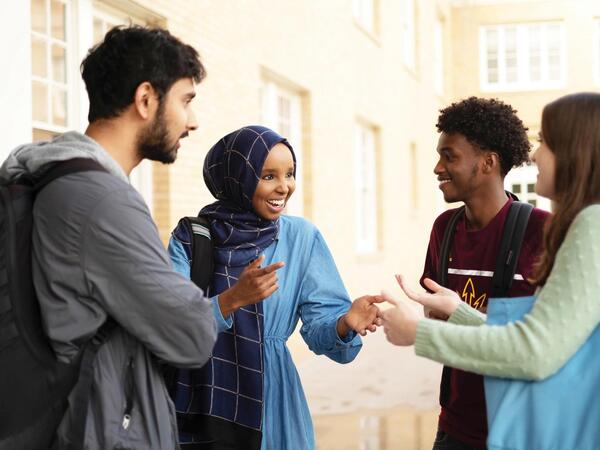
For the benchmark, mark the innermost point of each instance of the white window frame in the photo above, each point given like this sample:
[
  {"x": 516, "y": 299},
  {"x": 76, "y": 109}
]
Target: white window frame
[
  {"x": 409, "y": 37},
  {"x": 523, "y": 81},
  {"x": 438, "y": 56},
  {"x": 526, "y": 176},
  {"x": 365, "y": 185},
  {"x": 272, "y": 93},
  {"x": 69, "y": 85},
  {"x": 364, "y": 12}
]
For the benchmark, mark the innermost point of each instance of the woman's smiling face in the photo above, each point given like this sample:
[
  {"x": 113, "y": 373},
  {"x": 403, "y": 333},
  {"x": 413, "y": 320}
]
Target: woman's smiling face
[{"x": 276, "y": 184}]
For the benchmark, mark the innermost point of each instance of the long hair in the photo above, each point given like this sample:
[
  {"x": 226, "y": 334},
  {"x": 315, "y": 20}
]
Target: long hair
[{"x": 571, "y": 129}]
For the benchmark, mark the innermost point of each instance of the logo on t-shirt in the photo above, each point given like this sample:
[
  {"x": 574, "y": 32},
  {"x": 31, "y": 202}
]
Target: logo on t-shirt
[{"x": 469, "y": 296}]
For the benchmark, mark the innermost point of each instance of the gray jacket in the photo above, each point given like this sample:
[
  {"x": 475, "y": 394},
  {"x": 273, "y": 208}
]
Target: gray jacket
[{"x": 97, "y": 253}]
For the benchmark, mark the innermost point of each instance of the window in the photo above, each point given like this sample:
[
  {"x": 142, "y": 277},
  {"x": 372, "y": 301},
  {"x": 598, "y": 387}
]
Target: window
[
  {"x": 370, "y": 433},
  {"x": 521, "y": 182},
  {"x": 50, "y": 58},
  {"x": 364, "y": 14},
  {"x": 438, "y": 56},
  {"x": 365, "y": 185},
  {"x": 408, "y": 34},
  {"x": 281, "y": 111},
  {"x": 523, "y": 56}
]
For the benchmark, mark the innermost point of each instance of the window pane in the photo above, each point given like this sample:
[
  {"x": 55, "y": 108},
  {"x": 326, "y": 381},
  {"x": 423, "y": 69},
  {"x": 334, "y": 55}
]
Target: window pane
[
  {"x": 535, "y": 48},
  {"x": 532, "y": 202},
  {"x": 59, "y": 63},
  {"x": 530, "y": 187},
  {"x": 511, "y": 54},
  {"x": 39, "y": 101},
  {"x": 38, "y": 16},
  {"x": 492, "y": 55},
  {"x": 516, "y": 188},
  {"x": 39, "y": 64},
  {"x": 59, "y": 22},
  {"x": 59, "y": 107},
  {"x": 554, "y": 57}
]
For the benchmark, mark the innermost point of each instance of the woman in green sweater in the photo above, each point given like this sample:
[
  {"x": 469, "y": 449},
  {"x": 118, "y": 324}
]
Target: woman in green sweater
[{"x": 567, "y": 309}]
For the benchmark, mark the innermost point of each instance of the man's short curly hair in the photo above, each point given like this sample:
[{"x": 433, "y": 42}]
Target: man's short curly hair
[
  {"x": 129, "y": 56},
  {"x": 490, "y": 125}
]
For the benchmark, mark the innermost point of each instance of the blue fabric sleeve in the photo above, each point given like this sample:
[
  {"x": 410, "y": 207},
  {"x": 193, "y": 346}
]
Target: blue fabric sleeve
[
  {"x": 323, "y": 300},
  {"x": 181, "y": 265}
]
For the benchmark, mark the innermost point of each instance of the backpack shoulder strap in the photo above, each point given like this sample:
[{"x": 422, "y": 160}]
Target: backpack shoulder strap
[
  {"x": 66, "y": 167},
  {"x": 510, "y": 247},
  {"x": 202, "y": 264},
  {"x": 442, "y": 269}
]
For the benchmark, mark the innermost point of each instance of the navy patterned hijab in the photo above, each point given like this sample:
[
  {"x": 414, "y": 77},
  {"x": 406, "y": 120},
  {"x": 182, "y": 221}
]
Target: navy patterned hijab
[
  {"x": 232, "y": 170},
  {"x": 228, "y": 390}
]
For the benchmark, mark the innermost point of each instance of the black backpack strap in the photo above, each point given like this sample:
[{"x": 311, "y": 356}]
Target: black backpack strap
[
  {"x": 442, "y": 269},
  {"x": 81, "y": 393},
  {"x": 442, "y": 279},
  {"x": 510, "y": 248},
  {"x": 202, "y": 267},
  {"x": 63, "y": 168}
]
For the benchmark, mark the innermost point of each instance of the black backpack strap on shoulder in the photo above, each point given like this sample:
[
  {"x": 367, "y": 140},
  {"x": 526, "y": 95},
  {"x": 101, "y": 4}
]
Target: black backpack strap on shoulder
[
  {"x": 66, "y": 167},
  {"x": 510, "y": 248},
  {"x": 81, "y": 392},
  {"x": 442, "y": 279},
  {"x": 442, "y": 269},
  {"x": 202, "y": 267}
]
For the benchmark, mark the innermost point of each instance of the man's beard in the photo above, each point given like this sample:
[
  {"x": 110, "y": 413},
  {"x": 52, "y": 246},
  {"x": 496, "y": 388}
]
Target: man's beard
[{"x": 153, "y": 141}]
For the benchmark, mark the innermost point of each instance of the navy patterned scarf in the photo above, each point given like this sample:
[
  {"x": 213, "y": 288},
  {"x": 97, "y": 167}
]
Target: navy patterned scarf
[{"x": 229, "y": 388}]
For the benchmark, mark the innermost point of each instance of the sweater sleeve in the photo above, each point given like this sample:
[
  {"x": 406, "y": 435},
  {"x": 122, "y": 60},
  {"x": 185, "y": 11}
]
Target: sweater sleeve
[
  {"x": 565, "y": 314},
  {"x": 465, "y": 315}
]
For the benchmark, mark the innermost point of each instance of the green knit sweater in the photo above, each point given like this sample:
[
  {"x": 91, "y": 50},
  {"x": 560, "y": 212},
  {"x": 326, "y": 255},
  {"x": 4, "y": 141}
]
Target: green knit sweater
[{"x": 564, "y": 315}]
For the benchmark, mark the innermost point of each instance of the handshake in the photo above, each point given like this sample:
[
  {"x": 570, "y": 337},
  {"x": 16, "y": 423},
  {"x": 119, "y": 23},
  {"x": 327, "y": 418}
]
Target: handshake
[{"x": 400, "y": 321}]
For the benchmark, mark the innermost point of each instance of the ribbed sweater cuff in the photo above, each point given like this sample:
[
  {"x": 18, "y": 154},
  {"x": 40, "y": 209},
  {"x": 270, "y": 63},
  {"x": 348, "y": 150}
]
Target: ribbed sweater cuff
[
  {"x": 465, "y": 315},
  {"x": 423, "y": 344}
]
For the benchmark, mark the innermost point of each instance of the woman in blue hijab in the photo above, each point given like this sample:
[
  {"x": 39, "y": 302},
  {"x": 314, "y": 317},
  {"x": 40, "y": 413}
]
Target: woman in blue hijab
[{"x": 249, "y": 395}]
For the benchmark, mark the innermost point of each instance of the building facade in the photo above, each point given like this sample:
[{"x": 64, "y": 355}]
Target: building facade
[{"x": 355, "y": 85}]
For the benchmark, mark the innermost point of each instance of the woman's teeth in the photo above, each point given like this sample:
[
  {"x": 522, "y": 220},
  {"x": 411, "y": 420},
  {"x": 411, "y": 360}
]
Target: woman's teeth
[{"x": 276, "y": 203}]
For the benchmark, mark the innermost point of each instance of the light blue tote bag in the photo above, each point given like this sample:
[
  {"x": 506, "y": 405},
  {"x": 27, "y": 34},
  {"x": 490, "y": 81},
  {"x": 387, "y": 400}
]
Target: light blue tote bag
[{"x": 561, "y": 412}]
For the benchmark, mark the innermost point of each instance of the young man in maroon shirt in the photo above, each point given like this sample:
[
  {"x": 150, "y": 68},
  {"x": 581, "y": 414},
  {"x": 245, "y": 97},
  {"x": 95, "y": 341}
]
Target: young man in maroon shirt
[{"x": 480, "y": 141}]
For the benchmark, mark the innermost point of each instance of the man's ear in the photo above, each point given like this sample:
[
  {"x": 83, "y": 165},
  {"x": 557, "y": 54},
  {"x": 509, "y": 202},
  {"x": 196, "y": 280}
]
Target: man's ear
[
  {"x": 145, "y": 100},
  {"x": 491, "y": 163}
]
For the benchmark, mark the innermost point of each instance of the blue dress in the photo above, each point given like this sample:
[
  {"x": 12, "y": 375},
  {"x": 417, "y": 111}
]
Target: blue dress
[{"x": 310, "y": 289}]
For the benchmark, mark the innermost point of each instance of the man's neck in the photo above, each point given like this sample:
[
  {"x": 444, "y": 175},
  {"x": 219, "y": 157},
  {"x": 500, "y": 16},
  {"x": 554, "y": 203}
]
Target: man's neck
[
  {"x": 118, "y": 140},
  {"x": 481, "y": 209}
]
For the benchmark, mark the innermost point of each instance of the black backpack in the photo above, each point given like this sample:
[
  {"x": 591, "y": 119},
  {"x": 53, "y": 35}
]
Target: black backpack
[
  {"x": 34, "y": 386},
  {"x": 506, "y": 261}
]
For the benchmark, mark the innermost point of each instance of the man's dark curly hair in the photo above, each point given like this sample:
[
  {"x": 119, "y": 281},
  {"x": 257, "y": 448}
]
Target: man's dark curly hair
[
  {"x": 490, "y": 125},
  {"x": 129, "y": 56}
]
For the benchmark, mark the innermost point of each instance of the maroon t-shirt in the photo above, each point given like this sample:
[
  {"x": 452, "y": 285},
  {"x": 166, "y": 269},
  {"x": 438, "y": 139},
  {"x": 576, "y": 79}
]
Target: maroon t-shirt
[{"x": 470, "y": 270}]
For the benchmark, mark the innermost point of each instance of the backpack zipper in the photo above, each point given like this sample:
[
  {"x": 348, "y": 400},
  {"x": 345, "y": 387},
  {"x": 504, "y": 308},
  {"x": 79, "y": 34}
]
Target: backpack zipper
[{"x": 130, "y": 388}]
